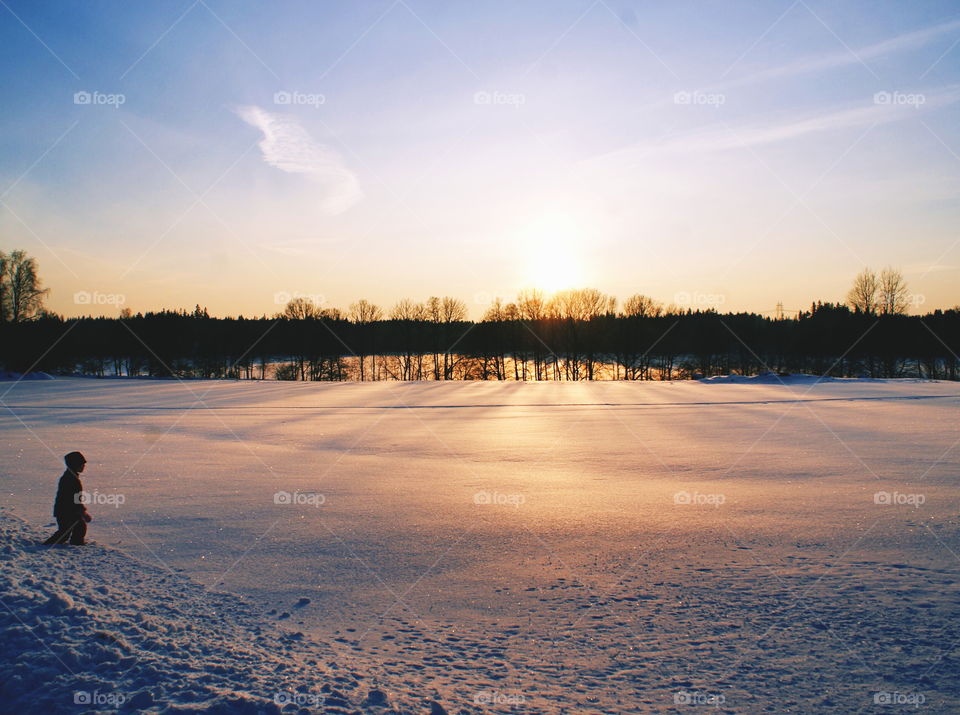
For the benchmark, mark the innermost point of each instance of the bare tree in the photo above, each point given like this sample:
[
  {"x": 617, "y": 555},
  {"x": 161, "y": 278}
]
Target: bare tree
[
  {"x": 410, "y": 313},
  {"x": 451, "y": 310},
  {"x": 863, "y": 294},
  {"x": 364, "y": 314},
  {"x": 441, "y": 312},
  {"x": 301, "y": 308},
  {"x": 408, "y": 309},
  {"x": 434, "y": 315},
  {"x": 641, "y": 306},
  {"x": 4, "y": 289},
  {"x": 531, "y": 309},
  {"x": 631, "y": 335},
  {"x": 531, "y": 304},
  {"x": 496, "y": 312},
  {"x": 21, "y": 292},
  {"x": 581, "y": 304},
  {"x": 893, "y": 292},
  {"x": 576, "y": 312}
]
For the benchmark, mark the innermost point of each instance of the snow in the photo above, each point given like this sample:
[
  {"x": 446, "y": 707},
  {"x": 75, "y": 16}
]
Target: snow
[
  {"x": 748, "y": 544},
  {"x": 772, "y": 378},
  {"x": 90, "y": 628},
  {"x": 6, "y": 375}
]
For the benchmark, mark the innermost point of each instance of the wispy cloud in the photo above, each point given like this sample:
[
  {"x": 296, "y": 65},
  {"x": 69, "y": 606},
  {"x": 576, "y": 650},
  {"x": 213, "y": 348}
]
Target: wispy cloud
[
  {"x": 809, "y": 65},
  {"x": 723, "y": 137},
  {"x": 287, "y": 146}
]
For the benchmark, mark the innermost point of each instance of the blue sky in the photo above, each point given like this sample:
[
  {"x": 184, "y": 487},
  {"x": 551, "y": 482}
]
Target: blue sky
[{"x": 733, "y": 155}]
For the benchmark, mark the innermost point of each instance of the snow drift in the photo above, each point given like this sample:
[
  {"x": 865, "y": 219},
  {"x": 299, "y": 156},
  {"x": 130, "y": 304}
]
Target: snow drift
[{"x": 92, "y": 629}]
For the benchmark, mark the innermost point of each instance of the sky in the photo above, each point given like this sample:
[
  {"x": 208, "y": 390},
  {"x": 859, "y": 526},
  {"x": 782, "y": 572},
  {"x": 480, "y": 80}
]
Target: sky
[{"x": 729, "y": 155}]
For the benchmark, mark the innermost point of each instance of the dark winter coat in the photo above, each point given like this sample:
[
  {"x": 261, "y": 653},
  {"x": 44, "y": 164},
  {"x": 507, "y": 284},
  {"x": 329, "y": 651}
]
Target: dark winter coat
[{"x": 68, "y": 504}]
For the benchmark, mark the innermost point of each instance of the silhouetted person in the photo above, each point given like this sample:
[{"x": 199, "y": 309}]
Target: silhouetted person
[{"x": 69, "y": 509}]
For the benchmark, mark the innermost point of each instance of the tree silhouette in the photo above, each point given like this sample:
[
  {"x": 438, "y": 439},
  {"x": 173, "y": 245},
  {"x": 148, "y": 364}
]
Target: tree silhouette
[
  {"x": 21, "y": 292},
  {"x": 573, "y": 335}
]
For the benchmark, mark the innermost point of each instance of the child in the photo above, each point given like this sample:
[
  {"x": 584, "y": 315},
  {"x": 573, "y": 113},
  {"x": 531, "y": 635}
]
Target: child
[{"x": 69, "y": 509}]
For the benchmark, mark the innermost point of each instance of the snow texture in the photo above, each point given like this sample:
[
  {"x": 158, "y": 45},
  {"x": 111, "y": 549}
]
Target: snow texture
[
  {"x": 763, "y": 544},
  {"x": 90, "y": 629}
]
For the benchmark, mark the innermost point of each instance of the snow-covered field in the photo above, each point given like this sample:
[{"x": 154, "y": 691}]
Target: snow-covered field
[{"x": 744, "y": 545}]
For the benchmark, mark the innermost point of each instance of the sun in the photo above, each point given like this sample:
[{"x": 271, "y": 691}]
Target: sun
[
  {"x": 555, "y": 272},
  {"x": 553, "y": 246}
]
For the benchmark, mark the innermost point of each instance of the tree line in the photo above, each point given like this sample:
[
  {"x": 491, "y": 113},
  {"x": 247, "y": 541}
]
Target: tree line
[{"x": 579, "y": 334}]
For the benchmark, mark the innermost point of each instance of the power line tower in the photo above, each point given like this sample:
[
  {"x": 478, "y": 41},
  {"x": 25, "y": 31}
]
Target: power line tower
[{"x": 779, "y": 312}]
